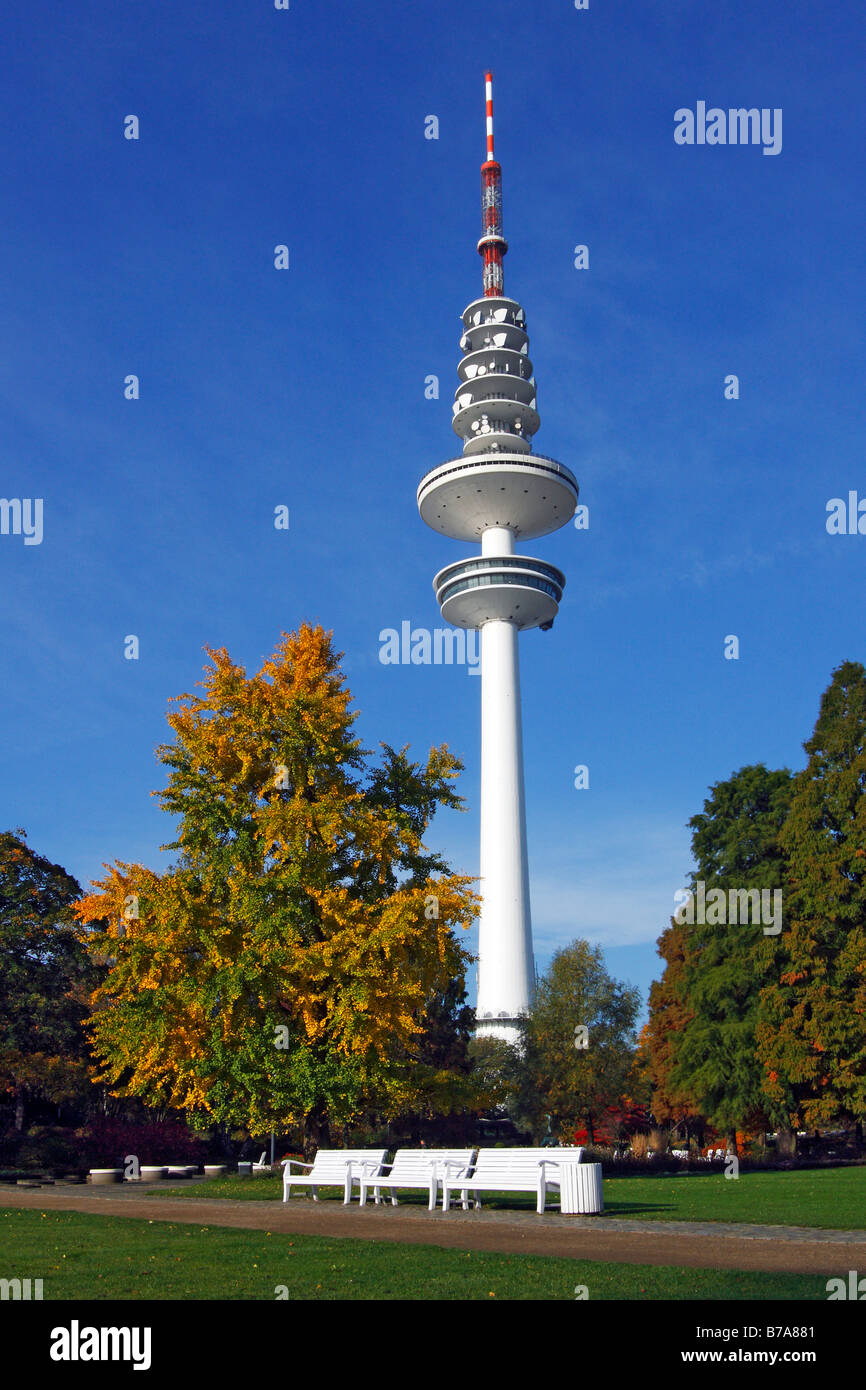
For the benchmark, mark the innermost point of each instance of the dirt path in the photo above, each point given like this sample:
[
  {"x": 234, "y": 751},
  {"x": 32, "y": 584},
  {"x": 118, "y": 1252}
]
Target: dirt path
[{"x": 698, "y": 1245}]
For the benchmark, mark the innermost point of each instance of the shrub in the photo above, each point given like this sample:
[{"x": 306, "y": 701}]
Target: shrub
[
  {"x": 47, "y": 1148},
  {"x": 106, "y": 1142}
]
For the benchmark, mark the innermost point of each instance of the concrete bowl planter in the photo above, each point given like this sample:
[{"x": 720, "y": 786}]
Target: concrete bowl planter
[
  {"x": 100, "y": 1177},
  {"x": 215, "y": 1170},
  {"x": 151, "y": 1173}
]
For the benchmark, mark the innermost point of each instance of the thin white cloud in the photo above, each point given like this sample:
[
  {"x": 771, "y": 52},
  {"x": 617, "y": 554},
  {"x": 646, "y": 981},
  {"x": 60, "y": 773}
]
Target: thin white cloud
[{"x": 615, "y": 888}]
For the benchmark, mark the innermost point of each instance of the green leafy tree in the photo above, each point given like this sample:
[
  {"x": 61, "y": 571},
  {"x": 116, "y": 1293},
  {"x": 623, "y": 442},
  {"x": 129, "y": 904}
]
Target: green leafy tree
[
  {"x": 812, "y": 1038},
  {"x": 46, "y": 978},
  {"x": 736, "y": 846},
  {"x": 496, "y": 1067},
  {"x": 567, "y": 1077}
]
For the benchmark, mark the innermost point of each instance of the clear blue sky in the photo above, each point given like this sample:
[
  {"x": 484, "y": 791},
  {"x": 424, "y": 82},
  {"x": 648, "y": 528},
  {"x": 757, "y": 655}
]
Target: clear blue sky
[{"x": 306, "y": 387}]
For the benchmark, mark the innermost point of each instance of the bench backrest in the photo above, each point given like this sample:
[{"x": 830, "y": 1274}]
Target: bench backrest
[
  {"x": 521, "y": 1165},
  {"x": 413, "y": 1165},
  {"x": 331, "y": 1163}
]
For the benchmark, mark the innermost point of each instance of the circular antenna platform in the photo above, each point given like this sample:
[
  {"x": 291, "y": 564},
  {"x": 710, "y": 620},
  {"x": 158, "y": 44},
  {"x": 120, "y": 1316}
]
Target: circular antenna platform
[{"x": 530, "y": 494}]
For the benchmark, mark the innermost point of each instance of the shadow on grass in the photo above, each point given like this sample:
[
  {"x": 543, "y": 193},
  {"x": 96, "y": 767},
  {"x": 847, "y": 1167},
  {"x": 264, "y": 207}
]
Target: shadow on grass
[
  {"x": 270, "y": 1189},
  {"x": 622, "y": 1208}
]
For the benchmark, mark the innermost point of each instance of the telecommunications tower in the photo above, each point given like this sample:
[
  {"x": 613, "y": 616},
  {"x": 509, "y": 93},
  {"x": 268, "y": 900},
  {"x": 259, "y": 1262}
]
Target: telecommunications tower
[{"x": 500, "y": 492}]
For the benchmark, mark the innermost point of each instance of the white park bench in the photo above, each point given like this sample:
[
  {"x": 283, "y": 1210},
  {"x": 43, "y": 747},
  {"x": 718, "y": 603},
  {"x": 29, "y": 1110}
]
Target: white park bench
[
  {"x": 511, "y": 1170},
  {"x": 419, "y": 1169},
  {"x": 333, "y": 1168}
]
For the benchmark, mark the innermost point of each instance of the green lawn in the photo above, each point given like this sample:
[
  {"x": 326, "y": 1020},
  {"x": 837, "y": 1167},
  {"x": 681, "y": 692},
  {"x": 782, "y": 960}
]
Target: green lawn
[
  {"x": 823, "y": 1197},
  {"x": 103, "y": 1257}
]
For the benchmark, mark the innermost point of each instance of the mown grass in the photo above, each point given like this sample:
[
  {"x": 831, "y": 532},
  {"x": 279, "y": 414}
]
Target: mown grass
[
  {"x": 79, "y": 1256},
  {"x": 826, "y": 1198}
]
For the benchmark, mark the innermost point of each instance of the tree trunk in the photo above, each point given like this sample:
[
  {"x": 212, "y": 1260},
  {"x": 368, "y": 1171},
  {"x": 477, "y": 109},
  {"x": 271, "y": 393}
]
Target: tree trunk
[
  {"x": 787, "y": 1143},
  {"x": 19, "y": 1109},
  {"x": 226, "y": 1145},
  {"x": 317, "y": 1131}
]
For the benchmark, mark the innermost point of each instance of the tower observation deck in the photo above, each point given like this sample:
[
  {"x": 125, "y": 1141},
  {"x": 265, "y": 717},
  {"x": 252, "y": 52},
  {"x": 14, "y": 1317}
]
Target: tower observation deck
[{"x": 500, "y": 493}]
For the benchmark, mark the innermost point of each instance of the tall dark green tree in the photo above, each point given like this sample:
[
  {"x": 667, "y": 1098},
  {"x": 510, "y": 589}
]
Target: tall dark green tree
[
  {"x": 812, "y": 1040},
  {"x": 736, "y": 846},
  {"x": 45, "y": 980}
]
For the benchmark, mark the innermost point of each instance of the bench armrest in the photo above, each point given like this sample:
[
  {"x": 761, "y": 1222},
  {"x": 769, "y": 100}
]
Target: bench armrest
[{"x": 287, "y": 1163}]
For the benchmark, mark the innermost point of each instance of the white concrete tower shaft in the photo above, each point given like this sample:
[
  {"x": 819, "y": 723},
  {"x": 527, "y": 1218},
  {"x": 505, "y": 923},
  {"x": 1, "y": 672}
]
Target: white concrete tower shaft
[
  {"x": 499, "y": 492},
  {"x": 505, "y": 961}
]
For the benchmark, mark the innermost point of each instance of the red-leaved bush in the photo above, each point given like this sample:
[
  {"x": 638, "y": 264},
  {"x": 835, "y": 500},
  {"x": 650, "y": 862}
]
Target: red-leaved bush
[{"x": 106, "y": 1142}]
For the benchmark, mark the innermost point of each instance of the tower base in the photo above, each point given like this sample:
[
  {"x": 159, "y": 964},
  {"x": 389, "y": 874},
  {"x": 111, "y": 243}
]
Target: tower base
[{"x": 505, "y": 1029}]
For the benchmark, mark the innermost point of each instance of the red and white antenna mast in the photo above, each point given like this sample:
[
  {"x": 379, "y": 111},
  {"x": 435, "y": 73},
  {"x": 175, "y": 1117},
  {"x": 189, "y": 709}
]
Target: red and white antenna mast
[{"x": 492, "y": 245}]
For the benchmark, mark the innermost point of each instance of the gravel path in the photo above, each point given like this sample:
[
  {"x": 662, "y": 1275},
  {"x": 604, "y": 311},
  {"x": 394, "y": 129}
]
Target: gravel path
[{"x": 694, "y": 1244}]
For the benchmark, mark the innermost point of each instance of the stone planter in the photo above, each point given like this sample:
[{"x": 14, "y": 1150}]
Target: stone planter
[
  {"x": 245, "y": 1170},
  {"x": 101, "y": 1176},
  {"x": 152, "y": 1174},
  {"x": 215, "y": 1170}
]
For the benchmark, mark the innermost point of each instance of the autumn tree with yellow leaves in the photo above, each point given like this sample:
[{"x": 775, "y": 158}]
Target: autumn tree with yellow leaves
[{"x": 283, "y": 968}]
